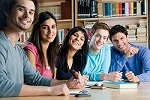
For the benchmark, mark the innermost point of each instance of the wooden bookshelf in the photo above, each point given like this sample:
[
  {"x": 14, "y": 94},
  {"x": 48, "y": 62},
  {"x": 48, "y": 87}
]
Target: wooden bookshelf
[
  {"x": 62, "y": 23},
  {"x": 123, "y": 20}
]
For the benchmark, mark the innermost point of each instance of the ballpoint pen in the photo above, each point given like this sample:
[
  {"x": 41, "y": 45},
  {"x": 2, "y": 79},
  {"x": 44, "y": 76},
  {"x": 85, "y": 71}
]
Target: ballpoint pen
[{"x": 72, "y": 73}]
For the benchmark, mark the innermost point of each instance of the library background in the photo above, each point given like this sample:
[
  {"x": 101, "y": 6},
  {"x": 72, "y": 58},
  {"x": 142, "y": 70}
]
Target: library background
[{"x": 133, "y": 14}]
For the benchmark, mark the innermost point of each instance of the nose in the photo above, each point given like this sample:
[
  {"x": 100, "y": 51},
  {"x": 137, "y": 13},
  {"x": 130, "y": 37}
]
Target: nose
[
  {"x": 49, "y": 30},
  {"x": 119, "y": 42},
  {"x": 100, "y": 39},
  {"x": 26, "y": 14}
]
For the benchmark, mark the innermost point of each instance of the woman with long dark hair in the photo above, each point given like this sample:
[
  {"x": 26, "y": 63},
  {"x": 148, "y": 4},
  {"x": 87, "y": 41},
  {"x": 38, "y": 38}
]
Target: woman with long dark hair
[
  {"x": 43, "y": 44},
  {"x": 72, "y": 54}
]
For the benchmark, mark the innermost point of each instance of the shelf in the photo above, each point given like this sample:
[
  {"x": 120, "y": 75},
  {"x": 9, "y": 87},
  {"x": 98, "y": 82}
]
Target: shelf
[
  {"x": 64, "y": 20},
  {"x": 117, "y": 0},
  {"x": 106, "y": 18},
  {"x": 50, "y": 2}
]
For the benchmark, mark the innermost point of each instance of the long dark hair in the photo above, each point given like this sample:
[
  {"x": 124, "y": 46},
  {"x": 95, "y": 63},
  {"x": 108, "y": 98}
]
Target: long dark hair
[
  {"x": 80, "y": 56},
  {"x": 35, "y": 38},
  {"x": 7, "y": 5}
]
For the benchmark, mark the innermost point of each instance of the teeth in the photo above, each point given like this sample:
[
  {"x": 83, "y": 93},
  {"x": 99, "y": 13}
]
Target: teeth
[{"x": 24, "y": 22}]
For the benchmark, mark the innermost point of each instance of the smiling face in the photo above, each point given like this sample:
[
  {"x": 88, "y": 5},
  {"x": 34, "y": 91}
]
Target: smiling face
[
  {"x": 76, "y": 41},
  {"x": 120, "y": 42},
  {"x": 99, "y": 38},
  {"x": 48, "y": 30},
  {"x": 21, "y": 15}
]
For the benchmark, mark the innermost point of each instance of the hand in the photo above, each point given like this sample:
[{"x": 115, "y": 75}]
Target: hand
[
  {"x": 76, "y": 83},
  {"x": 131, "y": 77},
  {"x": 59, "y": 90},
  {"x": 113, "y": 76},
  {"x": 86, "y": 78},
  {"x": 132, "y": 51}
]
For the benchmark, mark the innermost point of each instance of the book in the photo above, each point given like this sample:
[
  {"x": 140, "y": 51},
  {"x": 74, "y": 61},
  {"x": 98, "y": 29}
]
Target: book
[
  {"x": 66, "y": 10},
  {"x": 120, "y": 85}
]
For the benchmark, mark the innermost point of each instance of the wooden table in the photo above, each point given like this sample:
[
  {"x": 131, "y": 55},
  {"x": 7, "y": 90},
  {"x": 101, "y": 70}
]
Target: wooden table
[{"x": 141, "y": 93}]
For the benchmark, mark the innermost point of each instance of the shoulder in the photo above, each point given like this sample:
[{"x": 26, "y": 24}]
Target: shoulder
[{"x": 30, "y": 46}]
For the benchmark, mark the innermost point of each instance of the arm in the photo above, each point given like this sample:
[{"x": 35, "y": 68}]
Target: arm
[
  {"x": 144, "y": 56},
  {"x": 118, "y": 60},
  {"x": 27, "y": 90},
  {"x": 31, "y": 57},
  {"x": 31, "y": 52}
]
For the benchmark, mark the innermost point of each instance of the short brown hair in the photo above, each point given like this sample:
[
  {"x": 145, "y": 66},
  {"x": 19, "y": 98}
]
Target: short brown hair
[{"x": 99, "y": 25}]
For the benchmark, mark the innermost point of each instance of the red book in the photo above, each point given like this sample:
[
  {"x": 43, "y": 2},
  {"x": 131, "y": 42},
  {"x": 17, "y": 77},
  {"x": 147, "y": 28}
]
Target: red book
[{"x": 66, "y": 10}]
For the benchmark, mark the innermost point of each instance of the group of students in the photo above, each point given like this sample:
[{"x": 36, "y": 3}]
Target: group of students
[{"x": 43, "y": 67}]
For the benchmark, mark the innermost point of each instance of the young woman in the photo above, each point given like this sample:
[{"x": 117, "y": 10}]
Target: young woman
[
  {"x": 72, "y": 54},
  {"x": 43, "y": 44}
]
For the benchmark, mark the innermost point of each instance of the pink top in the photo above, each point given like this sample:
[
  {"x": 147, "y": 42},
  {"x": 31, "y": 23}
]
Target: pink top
[{"x": 42, "y": 69}]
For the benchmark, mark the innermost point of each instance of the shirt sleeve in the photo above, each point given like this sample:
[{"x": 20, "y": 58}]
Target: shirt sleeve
[
  {"x": 7, "y": 87},
  {"x": 31, "y": 47},
  {"x": 144, "y": 56}
]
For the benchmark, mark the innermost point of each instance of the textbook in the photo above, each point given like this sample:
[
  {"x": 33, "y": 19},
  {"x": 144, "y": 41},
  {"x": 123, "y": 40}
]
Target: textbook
[{"x": 120, "y": 85}]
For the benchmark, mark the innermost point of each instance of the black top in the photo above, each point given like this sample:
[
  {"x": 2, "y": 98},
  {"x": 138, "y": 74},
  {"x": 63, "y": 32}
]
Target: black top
[{"x": 62, "y": 73}]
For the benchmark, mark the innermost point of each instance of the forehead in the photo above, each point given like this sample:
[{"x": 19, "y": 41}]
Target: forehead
[
  {"x": 102, "y": 32},
  {"x": 80, "y": 33},
  {"x": 49, "y": 21},
  {"x": 118, "y": 35},
  {"x": 28, "y": 4}
]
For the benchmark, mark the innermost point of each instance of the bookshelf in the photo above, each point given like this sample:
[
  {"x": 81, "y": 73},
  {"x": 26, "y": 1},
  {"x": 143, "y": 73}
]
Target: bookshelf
[
  {"x": 62, "y": 23},
  {"x": 111, "y": 20}
]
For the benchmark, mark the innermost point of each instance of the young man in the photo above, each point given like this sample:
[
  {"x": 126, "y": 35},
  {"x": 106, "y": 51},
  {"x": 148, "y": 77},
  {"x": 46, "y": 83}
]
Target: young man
[
  {"x": 15, "y": 69},
  {"x": 132, "y": 60},
  {"x": 99, "y": 56}
]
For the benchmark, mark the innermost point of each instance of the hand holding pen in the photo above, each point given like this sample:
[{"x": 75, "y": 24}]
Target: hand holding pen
[{"x": 78, "y": 80}]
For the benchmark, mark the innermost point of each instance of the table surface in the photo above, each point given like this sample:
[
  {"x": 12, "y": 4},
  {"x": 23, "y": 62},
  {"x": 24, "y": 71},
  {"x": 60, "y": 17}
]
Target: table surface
[{"x": 141, "y": 93}]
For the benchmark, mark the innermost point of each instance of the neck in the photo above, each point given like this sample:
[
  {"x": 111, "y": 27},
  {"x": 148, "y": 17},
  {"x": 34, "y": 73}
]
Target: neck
[
  {"x": 71, "y": 54},
  {"x": 127, "y": 49},
  {"x": 93, "y": 50},
  {"x": 45, "y": 45}
]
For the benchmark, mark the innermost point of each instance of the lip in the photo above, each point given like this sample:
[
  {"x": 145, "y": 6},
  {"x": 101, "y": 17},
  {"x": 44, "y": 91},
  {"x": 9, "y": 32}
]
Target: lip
[
  {"x": 75, "y": 42},
  {"x": 24, "y": 21}
]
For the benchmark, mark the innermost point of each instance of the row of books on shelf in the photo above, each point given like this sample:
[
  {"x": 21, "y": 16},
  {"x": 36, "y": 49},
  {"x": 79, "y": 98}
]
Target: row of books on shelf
[
  {"x": 56, "y": 10},
  {"x": 137, "y": 31},
  {"x": 62, "y": 34},
  {"x": 62, "y": 11},
  {"x": 92, "y": 8}
]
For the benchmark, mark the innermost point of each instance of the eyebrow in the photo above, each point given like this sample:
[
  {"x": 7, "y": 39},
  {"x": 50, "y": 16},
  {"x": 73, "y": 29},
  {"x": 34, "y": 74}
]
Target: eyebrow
[{"x": 24, "y": 7}]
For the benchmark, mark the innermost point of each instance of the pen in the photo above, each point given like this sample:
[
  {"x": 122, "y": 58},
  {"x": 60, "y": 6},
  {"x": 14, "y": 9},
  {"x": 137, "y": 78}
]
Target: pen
[{"x": 72, "y": 73}]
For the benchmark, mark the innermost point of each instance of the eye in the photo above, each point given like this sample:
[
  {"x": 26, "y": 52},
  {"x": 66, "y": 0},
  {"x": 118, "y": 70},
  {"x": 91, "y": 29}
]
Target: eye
[
  {"x": 53, "y": 26},
  {"x": 97, "y": 35},
  {"x": 82, "y": 39},
  {"x": 21, "y": 9},
  {"x": 75, "y": 34},
  {"x": 31, "y": 12},
  {"x": 45, "y": 27},
  {"x": 105, "y": 38}
]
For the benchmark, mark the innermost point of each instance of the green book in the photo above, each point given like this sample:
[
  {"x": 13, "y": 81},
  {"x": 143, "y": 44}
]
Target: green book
[{"x": 120, "y": 85}]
